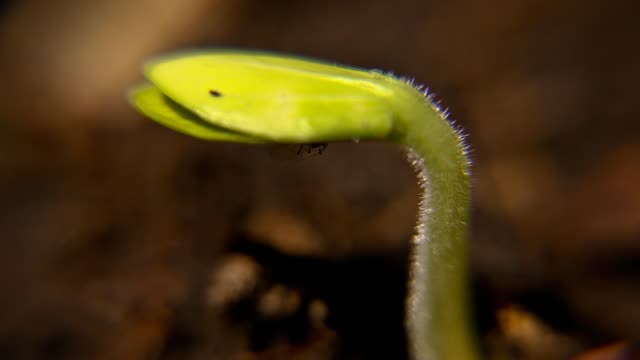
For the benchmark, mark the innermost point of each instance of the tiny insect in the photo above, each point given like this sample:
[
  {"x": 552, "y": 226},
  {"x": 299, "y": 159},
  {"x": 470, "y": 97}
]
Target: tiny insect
[
  {"x": 312, "y": 149},
  {"x": 293, "y": 152}
]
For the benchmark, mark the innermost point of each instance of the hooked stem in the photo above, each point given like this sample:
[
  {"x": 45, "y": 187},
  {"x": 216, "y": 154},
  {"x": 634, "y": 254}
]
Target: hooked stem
[{"x": 439, "y": 315}]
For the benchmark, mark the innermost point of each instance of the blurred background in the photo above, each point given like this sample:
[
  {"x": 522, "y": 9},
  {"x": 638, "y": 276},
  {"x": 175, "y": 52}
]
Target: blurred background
[{"x": 121, "y": 239}]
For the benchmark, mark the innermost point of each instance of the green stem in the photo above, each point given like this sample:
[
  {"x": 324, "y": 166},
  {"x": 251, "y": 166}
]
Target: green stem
[{"x": 438, "y": 311}]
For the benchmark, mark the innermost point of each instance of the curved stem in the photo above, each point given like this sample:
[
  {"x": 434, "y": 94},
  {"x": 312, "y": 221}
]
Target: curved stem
[{"x": 438, "y": 311}]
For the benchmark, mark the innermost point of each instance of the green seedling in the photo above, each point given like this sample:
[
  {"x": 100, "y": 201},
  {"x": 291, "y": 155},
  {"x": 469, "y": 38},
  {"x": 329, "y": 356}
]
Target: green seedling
[{"x": 254, "y": 97}]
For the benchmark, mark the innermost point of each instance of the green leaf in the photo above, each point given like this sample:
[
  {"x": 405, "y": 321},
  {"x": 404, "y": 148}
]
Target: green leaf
[
  {"x": 151, "y": 102},
  {"x": 276, "y": 98}
]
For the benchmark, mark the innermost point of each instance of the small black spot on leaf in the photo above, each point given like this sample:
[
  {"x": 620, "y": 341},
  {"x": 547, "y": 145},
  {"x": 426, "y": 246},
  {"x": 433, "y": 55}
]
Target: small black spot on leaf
[{"x": 215, "y": 93}]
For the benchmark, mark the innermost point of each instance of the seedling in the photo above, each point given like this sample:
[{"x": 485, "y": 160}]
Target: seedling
[{"x": 254, "y": 97}]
